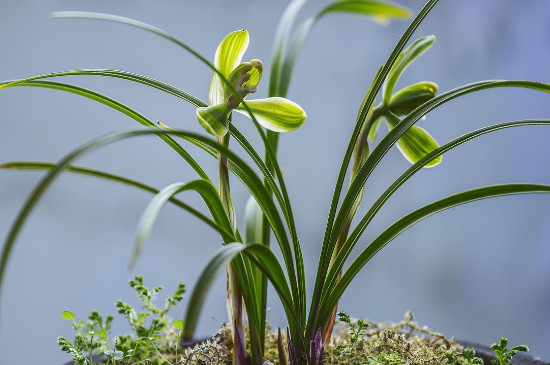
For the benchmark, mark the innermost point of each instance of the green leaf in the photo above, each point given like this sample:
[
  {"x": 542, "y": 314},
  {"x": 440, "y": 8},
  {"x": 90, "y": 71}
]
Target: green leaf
[
  {"x": 411, "y": 53},
  {"x": 381, "y": 11},
  {"x": 276, "y": 114},
  {"x": 370, "y": 97},
  {"x": 279, "y": 44},
  {"x": 271, "y": 159},
  {"x": 119, "y": 107},
  {"x": 415, "y": 143},
  {"x": 178, "y": 324},
  {"x": 228, "y": 56},
  {"x": 298, "y": 287},
  {"x": 411, "y": 97},
  {"x": 253, "y": 217},
  {"x": 267, "y": 262},
  {"x": 28, "y": 165},
  {"x": 148, "y": 28},
  {"x": 148, "y": 81},
  {"x": 245, "y": 173},
  {"x": 261, "y": 256},
  {"x": 253, "y": 222},
  {"x": 207, "y": 191},
  {"x": 215, "y": 119},
  {"x": 336, "y": 223},
  {"x": 212, "y": 269},
  {"x": 68, "y": 315},
  {"x": 409, "y": 220},
  {"x": 391, "y": 138},
  {"x": 353, "y": 238}
]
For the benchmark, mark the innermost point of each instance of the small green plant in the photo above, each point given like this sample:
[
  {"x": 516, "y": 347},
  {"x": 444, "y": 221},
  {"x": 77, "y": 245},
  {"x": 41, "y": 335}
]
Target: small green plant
[
  {"x": 356, "y": 329},
  {"x": 504, "y": 356},
  {"x": 153, "y": 336},
  {"x": 468, "y": 355},
  {"x": 90, "y": 336},
  {"x": 249, "y": 260}
]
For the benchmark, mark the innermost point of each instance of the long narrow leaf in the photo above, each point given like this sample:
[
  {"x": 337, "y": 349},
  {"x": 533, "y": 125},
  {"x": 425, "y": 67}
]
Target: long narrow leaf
[
  {"x": 367, "y": 218},
  {"x": 196, "y": 301},
  {"x": 283, "y": 199},
  {"x": 252, "y": 181},
  {"x": 326, "y": 250},
  {"x": 375, "y": 9},
  {"x": 253, "y": 221},
  {"x": 288, "y": 214},
  {"x": 279, "y": 44},
  {"x": 409, "y": 220},
  {"x": 206, "y": 190},
  {"x": 243, "y": 269},
  {"x": 393, "y": 136},
  {"x": 117, "y": 106},
  {"x": 271, "y": 155},
  {"x": 116, "y": 74},
  {"x": 34, "y": 165},
  {"x": 260, "y": 255}
]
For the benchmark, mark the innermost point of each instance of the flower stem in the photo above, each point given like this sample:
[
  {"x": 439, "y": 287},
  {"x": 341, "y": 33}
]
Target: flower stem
[{"x": 234, "y": 293}]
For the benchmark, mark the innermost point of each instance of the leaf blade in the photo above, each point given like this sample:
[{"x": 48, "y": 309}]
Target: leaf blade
[
  {"x": 34, "y": 165},
  {"x": 205, "y": 189},
  {"x": 339, "y": 262},
  {"x": 416, "y": 216}
]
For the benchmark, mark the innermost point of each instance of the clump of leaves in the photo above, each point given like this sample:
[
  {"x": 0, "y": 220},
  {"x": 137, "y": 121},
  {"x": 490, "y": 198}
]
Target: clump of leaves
[
  {"x": 91, "y": 336},
  {"x": 154, "y": 334},
  {"x": 504, "y": 356}
]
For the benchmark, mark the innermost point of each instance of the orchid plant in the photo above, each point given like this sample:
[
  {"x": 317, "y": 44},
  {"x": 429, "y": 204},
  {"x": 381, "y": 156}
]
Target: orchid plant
[{"x": 250, "y": 261}]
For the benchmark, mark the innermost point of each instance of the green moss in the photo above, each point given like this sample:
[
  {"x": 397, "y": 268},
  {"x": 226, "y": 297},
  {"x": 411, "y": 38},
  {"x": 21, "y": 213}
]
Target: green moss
[{"x": 403, "y": 343}]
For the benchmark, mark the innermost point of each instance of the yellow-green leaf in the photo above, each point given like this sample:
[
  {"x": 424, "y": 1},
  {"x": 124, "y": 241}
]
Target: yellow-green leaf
[
  {"x": 276, "y": 114},
  {"x": 228, "y": 56},
  {"x": 214, "y": 119},
  {"x": 68, "y": 315},
  {"x": 415, "y": 143}
]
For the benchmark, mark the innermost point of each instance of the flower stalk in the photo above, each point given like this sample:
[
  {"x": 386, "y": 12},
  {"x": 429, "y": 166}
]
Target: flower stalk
[{"x": 234, "y": 292}]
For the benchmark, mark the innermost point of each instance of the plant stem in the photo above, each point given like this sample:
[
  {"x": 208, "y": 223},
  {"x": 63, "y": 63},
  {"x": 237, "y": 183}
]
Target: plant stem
[{"x": 234, "y": 293}]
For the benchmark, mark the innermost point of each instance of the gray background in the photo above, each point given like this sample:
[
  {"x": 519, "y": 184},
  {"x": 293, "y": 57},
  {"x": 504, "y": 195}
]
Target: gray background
[{"x": 476, "y": 272}]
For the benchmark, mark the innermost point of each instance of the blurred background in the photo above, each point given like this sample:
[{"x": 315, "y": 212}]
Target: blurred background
[{"x": 476, "y": 272}]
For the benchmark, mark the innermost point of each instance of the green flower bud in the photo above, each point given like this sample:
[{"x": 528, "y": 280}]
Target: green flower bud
[{"x": 409, "y": 98}]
